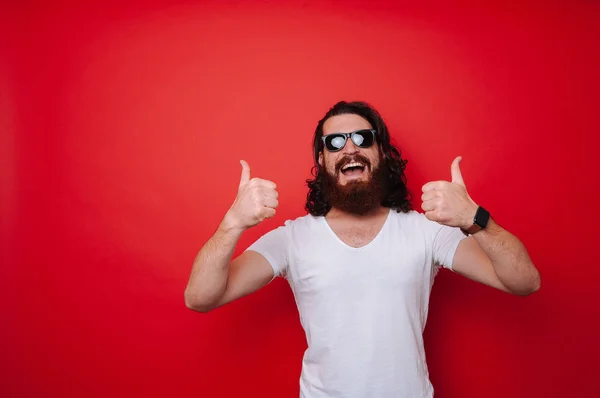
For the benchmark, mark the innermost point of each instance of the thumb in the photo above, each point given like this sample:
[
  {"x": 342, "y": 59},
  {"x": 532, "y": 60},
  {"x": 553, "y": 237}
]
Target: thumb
[
  {"x": 245, "y": 173},
  {"x": 455, "y": 170}
]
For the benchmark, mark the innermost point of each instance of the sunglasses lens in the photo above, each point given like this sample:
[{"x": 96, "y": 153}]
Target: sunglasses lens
[
  {"x": 363, "y": 139},
  {"x": 335, "y": 142}
]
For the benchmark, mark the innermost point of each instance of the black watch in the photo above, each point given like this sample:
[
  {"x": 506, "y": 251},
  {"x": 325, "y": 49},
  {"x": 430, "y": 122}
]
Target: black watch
[{"x": 480, "y": 221}]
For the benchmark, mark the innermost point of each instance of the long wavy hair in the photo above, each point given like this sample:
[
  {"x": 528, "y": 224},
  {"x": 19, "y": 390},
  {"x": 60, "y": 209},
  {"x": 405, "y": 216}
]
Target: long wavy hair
[{"x": 397, "y": 196}]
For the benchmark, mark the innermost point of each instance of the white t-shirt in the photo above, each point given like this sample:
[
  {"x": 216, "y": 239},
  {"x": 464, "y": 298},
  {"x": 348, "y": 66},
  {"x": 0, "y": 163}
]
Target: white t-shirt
[{"x": 363, "y": 309}]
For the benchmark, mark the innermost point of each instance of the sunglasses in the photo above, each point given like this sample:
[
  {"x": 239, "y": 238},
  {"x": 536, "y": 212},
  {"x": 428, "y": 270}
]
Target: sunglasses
[{"x": 337, "y": 141}]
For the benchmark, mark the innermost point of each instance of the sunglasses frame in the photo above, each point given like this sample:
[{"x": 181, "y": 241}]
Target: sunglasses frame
[{"x": 346, "y": 136}]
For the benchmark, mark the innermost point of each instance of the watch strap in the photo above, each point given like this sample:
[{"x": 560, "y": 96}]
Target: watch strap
[{"x": 480, "y": 221}]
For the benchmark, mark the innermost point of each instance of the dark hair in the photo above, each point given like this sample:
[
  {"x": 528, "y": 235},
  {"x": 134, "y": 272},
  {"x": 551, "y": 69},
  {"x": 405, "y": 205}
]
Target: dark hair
[{"x": 397, "y": 197}]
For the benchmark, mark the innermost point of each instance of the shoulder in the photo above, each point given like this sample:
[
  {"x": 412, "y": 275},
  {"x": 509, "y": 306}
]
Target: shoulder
[
  {"x": 414, "y": 221},
  {"x": 307, "y": 221},
  {"x": 299, "y": 229},
  {"x": 290, "y": 230},
  {"x": 301, "y": 223},
  {"x": 411, "y": 216}
]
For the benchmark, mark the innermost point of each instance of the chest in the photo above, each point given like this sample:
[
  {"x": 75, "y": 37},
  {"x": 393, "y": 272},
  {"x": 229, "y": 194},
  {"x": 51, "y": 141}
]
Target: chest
[
  {"x": 357, "y": 262},
  {"x": 356, "y": 235}
]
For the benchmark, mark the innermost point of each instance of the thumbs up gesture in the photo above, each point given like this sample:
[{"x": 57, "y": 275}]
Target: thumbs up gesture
[
  {"x": 256, "y": 200},
  {"x": 449, "y": 203}
]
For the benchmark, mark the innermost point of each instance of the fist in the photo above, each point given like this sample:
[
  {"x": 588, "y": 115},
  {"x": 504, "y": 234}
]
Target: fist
[
  {"x": 256, "y": 200},
  {"x": 448, "y": 203}
]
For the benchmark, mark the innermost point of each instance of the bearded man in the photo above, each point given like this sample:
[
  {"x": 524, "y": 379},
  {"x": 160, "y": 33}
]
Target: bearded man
[{"x": 362, "y": 262}]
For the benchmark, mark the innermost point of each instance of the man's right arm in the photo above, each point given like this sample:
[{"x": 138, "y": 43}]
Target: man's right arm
[{"x": 216, "y": 280}]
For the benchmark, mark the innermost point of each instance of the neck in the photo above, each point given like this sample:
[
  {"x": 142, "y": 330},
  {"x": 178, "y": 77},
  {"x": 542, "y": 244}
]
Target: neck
[{"x": 337, "y": 213}]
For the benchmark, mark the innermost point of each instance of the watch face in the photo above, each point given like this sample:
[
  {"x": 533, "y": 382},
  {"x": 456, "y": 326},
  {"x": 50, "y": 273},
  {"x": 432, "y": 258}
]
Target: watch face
[{"x": 481, "y": 217}]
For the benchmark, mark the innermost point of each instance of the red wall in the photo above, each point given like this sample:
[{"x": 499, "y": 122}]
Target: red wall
[{"x": 122, "y": 128}]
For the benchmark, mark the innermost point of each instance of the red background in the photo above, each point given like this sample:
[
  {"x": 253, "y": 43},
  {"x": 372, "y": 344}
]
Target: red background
[{"x": 122, "y": 128}]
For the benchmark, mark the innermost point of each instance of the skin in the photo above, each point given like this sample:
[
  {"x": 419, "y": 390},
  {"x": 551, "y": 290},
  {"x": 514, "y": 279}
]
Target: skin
[
  {"x": 493, "y": 256},
  {"x": 354, "y": 230},
  {"x": 347, "y": 124},
  {"x": 215, "y": 280}
]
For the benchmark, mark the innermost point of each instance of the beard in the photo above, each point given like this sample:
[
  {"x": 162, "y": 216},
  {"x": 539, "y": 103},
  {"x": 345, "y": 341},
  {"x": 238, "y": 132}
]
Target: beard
[{"x": 356, "y": 197}]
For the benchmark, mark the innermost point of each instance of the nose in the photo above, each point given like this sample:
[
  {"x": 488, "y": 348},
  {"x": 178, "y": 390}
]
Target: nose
[{"x": 350, "y": 148}]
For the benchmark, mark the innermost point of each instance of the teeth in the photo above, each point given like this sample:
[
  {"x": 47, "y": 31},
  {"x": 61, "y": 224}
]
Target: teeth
[{"x": 353, "y": 164}]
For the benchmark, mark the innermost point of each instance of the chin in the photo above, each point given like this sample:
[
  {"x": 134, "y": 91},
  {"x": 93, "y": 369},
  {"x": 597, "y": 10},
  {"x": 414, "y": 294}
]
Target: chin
[{"x": 343, "y": 181}]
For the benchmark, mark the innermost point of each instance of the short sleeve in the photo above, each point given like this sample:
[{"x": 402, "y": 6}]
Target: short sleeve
[
  {"x": 445, "y": 243},
  {"x": 274, "y": 247}
]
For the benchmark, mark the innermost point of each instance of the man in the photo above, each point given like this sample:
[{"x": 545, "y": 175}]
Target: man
[{"x": 361, "y": 264}]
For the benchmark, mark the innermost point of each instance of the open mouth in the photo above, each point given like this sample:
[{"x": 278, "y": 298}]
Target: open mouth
[{"x": 353, "y": 169}]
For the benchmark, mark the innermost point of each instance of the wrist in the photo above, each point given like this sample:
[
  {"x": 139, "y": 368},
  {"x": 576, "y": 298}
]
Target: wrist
[
  {"x": 231, "y": 224},
  {"x": 479, "y": 221},
  {"x": 470, "y": 216}
]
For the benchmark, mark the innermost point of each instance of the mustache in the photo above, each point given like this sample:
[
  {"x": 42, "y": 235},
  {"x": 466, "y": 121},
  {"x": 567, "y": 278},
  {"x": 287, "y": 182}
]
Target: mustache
[{"x": 349, "y": 159}]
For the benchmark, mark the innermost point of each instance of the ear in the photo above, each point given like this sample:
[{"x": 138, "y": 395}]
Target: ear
[{"x": 321, "y": 158}]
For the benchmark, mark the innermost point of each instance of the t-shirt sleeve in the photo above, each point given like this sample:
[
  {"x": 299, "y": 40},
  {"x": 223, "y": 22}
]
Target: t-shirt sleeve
[
  {"x": 445, "y": 243},
  {"x": 274, "y": 247}
]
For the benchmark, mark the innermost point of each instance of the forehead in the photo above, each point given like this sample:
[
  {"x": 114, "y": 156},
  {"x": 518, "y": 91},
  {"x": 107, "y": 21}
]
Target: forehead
[{"x": 345, "y": 124}]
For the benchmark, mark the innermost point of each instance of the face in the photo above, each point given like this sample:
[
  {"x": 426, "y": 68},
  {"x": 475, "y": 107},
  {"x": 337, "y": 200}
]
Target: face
[
  {"x": 336, "y": 163},
  {"x": 353, "y": 180}
]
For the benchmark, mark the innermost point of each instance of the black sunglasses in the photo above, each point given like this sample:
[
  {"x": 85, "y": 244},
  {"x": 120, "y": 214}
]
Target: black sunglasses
[{"x": 361, "y": 138}]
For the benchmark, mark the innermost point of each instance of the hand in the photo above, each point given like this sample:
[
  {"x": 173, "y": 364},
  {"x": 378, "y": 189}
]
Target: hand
[
  {"x": 449, "y": 203},
  {"x": 256, "y": 200}
]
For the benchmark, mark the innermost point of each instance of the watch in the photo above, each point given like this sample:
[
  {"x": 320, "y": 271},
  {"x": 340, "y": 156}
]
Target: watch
[{"x": 480, "y": 221}]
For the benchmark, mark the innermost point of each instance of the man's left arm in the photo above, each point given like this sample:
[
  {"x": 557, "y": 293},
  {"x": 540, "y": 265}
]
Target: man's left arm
[
  {"x": 492, "y": 256},
  {"x": 497, "y": 258}
]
